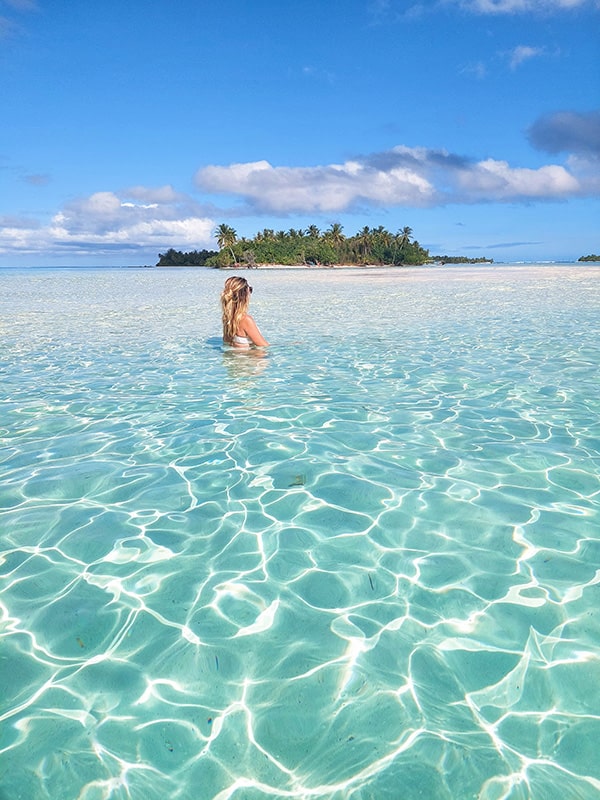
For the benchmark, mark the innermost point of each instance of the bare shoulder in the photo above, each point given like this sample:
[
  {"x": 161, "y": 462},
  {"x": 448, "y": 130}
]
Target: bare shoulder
[{"x": 251, "y": 330}]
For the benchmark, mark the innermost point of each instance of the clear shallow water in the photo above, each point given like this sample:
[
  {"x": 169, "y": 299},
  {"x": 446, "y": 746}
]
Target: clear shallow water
[{"x": 366, "y": 565}]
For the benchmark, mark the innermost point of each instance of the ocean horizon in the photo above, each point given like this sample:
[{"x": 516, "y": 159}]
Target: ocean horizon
[{"x": 531, "y": 263}]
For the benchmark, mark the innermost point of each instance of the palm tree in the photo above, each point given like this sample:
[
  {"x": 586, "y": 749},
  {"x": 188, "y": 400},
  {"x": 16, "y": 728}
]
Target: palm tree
[
  {"x": 313, "y": 232},
  {"x": 363, "y": 239},
  {"x": 226, "y": 238},
  {"x": 335, "y": 238},
  {"x": 404, "y": 236},
  {"x": 334, "y": 233},
  {"x": 402, "y": 240},
  {"x": 383, "y": 235}
]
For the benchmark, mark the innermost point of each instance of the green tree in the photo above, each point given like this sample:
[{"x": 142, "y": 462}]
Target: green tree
[
  {"x": 226, "y": 237},
  {"x": 404, "y": 236},
  {"x": 363, "y": 243},
  {"x": 172, "y": 258},
  {"x": 310, "y": 246},
  {"x": 334, "y": 234},
  {"x": 194, "y": 258}
]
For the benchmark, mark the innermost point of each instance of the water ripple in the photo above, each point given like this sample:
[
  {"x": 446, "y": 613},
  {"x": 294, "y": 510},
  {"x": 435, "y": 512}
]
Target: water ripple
[{"x": 344, "y": 570}]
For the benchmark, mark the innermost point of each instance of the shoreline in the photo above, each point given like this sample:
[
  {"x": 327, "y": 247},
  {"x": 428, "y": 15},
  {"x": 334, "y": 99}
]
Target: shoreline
[
  {"x": 390, "y": 268},
  {"x": 564, "y": 267},
  {"x": 332, "y": 267},
  {"x": 313, "y": 267}
]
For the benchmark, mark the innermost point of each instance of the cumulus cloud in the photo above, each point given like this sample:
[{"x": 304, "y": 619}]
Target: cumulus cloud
[
  {"x": 496, "y": 179},
  {"x": 577, "y": 134},
  {"x": 110, "y": 221},
  {"x": 330, "y": 188},
  {"x": 156, "y": 218},
  {"x": 104, "y": 217},
  {"x": 402, "y": 176}
]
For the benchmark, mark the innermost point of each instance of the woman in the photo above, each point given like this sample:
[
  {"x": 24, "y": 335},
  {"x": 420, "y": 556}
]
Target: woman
[{"x": 239, "y": 329}]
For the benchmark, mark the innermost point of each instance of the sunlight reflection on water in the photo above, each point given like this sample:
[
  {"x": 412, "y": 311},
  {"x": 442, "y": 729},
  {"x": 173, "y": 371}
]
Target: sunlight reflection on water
[{"x": 363, "y": 564}]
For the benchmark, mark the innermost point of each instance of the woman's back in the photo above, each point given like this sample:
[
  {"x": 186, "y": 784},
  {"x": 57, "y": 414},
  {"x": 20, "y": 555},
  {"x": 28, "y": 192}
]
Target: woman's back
[{"x": 239, "y": 328}]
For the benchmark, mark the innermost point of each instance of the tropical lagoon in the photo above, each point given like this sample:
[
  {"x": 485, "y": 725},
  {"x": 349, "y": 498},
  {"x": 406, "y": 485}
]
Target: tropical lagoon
[{"x": 363, "y": 563}]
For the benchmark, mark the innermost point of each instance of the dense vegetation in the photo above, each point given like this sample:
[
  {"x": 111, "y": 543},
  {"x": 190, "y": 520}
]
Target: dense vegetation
[
  {"x": 311, "y": 247},
  {"x": 316, "y": 248},
  {"x": 175, "y": 258},
  {"x": 462, "y": 260},
  {"x": 589, "y": 258}
]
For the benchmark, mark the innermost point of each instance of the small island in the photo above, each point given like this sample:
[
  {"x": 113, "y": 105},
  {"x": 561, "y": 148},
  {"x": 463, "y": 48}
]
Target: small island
[
  {"x": 589, "y": 258},
  {"x": 461, "y": 260},
  {"x": 312, "y": 248}
]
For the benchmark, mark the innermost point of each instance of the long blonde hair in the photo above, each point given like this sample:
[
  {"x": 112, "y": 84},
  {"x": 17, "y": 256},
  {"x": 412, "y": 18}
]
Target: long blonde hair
[{"x": 235, "y": 298}]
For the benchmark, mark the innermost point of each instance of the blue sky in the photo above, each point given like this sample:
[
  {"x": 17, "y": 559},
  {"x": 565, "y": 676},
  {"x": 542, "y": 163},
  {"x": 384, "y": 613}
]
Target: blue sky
[{"x": 129, "y": 128}]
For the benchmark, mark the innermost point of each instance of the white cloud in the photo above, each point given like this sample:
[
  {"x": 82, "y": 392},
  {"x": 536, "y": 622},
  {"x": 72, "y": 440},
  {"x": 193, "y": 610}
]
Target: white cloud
[
  {"x": 496, "y": 179},
  {"x": 575, "y": 133},
  {"x": 105, "y": 215},
  {"x": 398, "y": 11},
  {"x": 155, "y": 218},
  {"x": 523, "y": 53},
  {"x": 403, "y": 176},
  {"x": 587, "y": 169},
  {"x": 521, "y": 6},
  {"x": 108, "y": 220},
  {"x": 334, "y": 187}
]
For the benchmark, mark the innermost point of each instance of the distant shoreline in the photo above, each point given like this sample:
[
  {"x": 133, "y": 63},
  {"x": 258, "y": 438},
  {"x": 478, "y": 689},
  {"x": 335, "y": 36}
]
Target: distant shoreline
[
  {"x": 584, "y": 264},
  {"x": 326, "y": 267}
]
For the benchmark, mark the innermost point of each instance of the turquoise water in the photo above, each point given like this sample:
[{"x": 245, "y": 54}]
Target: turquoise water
[{"x": 365, "y": 565}]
